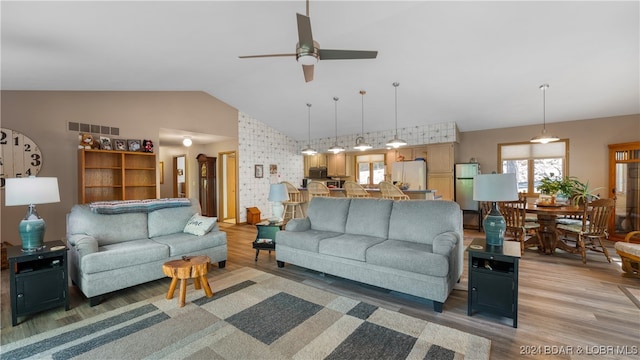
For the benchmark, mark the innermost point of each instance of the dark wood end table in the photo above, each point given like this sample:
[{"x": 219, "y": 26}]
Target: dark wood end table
[
  {"x": 266, "y": 237},
  {"x": 493, "y": 278},
  {"x": 38, "y": 279}
]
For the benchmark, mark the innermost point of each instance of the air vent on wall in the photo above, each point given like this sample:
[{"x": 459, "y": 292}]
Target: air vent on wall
[{"x": 95, "y": 129}]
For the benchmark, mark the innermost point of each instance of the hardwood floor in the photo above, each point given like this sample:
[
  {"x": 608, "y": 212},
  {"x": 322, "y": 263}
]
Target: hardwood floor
[{"x": 563, "y": 304}]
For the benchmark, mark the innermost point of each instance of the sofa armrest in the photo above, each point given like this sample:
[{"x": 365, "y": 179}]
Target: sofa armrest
[
  {"x": 298, "y": 225},
  {"x": 444, "y": 243},
  {"x": 83, "y": 244}
]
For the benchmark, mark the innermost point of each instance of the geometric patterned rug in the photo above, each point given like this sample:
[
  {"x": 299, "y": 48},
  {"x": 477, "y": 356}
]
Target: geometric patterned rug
[{"x": 252, "y": 315}]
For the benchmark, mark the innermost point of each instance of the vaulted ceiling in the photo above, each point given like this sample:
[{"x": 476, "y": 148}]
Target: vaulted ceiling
[{"x": 476, "y": 63}]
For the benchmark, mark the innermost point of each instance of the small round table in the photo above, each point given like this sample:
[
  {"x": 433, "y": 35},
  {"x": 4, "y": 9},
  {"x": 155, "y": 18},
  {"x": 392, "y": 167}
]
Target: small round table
[{"x": 189, "y": 267}]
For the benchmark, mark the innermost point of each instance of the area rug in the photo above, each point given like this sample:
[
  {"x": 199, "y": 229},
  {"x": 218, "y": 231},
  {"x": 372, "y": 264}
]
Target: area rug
[{"x": 252, "y": 315}]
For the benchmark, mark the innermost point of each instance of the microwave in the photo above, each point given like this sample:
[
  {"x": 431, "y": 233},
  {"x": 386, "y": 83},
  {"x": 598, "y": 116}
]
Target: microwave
[
  {"x": 318, "y": 173},
  {"x": 335, "y": 183}
]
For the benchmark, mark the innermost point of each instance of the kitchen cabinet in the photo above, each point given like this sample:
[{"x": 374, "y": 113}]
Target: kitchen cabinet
[
  {"x": 440, "y": 168},
  {"x": 314, "y": 161},
  {"x": 441, "y": 157},
  {"x": 337, "y": 165}
]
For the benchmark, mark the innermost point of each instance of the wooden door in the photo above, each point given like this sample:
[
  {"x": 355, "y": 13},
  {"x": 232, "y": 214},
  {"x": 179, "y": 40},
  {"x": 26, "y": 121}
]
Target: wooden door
[{"x": 624, "y": 187}]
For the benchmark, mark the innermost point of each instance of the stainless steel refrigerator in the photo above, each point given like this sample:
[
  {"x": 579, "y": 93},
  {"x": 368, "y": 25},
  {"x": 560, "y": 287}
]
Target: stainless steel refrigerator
[{"x": 464, "y": 174}]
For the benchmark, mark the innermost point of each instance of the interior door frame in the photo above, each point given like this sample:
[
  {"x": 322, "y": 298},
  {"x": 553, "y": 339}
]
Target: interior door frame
[
  {"x": 174, "y": 174},
  {"x": 224, "y": 176}
]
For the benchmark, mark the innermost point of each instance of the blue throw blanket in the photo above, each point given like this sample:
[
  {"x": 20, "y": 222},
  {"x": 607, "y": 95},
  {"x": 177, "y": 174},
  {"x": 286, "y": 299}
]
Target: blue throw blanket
[{"x": 129, "y": 206}]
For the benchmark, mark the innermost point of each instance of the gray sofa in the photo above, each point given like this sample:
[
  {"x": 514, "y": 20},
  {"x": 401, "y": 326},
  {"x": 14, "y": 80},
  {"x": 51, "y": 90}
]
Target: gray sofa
[
  {"x": 414, "y": 247},
  {"x": 113, "y": 252}
]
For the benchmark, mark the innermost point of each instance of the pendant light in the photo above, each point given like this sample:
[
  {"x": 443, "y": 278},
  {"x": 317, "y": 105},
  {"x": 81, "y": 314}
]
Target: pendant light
[
  {"x": 544, "y": 138},
  {"x": 309, "y": 150},
  {"x": 336, "y": 148},
  {"x": 395, "y": 142},
  {"x": 360, "y": 143}
]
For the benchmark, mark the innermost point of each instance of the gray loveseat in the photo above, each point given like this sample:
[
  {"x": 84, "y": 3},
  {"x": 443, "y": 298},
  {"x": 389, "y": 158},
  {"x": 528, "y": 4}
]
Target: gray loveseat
[
  {"x": 414, "y": 247},
  {"x": 110, "y": 252}
]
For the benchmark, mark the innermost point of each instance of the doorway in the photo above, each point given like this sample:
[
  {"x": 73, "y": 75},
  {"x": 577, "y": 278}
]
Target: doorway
[
  {"x": 180, "y": 189},
  {"x": 228, "y": 186}
]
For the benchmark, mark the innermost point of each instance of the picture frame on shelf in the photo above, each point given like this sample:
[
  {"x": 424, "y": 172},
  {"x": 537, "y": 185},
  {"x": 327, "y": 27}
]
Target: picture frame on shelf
[
  {"x": 105, "y": 143},
  {"x": 120, "y": 144},
  {"x": 134, "y": 144},
  {"x": 259, "y": 171}
]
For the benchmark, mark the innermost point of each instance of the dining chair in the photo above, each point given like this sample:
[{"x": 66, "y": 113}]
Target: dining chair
[
  {"x": 355, "y": 190},
  {"x": 630, "y": 254},
  {"x": 515, "y": 217},
  {"x": 390, "y": 191},
  {"x": 316, "y": 188},
  {"x": 529, "y": 198},
  {"x": 294, "y": 203},
  {"x": 593, "y": 227}
]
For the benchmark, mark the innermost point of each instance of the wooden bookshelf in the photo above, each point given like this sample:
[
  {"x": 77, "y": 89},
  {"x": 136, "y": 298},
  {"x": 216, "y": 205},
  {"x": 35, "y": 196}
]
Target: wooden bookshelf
[{"x": 115, "y": 175}]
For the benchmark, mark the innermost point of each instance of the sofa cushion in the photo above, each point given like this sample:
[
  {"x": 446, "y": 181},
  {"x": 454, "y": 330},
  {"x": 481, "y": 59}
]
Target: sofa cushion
[
  {"x": 200, "y": 225},
  {"x": 328, "y": 214},
  {"x": 184, "y": 243},
  {"x": 107, "y": 229},
  {"x": 122, "y": 255},
  {"x": 408, "y": 256},
  {"x": 422, "y": 220},
  {"x": 171, "y": 220},
  {"x": 348, "y": 246},
  {"x": 369, "y": 217},
  {"x": 304, "y": 240}
]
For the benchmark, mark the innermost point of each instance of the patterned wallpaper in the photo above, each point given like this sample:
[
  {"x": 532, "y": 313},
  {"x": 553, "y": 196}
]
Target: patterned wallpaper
[{"x": 259, "y": 144}]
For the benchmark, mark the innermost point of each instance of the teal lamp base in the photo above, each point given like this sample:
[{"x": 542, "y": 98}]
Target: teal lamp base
[
  {"x": 494, "y": 227},
  {"x": 31, "y": 230}
]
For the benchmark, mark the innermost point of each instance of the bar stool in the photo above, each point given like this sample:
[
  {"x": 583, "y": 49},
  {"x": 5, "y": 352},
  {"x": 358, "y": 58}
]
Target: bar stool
[{"x": 294, "y": 203}]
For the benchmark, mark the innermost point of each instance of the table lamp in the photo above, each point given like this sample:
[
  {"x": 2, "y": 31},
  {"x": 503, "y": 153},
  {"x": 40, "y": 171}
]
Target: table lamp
[
  {"x": 277, "y": 194},
  {"x": 494, "y": 188},
  {"x": 31, "y": 191}
]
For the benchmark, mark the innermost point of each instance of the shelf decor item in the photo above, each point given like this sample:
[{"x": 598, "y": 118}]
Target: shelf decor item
[
  {"x": 134, "y": 145},
  {"x": 31, "y": 191},
  {"x": 494, "y": 188}
]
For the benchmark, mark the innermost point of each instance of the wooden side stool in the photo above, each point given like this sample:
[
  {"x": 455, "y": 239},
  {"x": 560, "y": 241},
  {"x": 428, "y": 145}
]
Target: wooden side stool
[{"x": 189, "y": 267}]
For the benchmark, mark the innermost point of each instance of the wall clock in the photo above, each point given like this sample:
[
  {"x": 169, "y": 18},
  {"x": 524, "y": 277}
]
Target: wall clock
[{"x": 20, "y": 156}]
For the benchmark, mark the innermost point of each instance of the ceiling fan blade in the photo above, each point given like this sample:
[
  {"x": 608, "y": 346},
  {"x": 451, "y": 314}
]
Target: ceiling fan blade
[
  {"x": 327, "y": 54},
  {"x": 305, "y": 39},
  {"x": 308, "y": 72},
  {"x": 261, "y": 56}
]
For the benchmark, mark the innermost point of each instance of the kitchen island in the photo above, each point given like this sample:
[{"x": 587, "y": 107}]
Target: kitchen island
[{"x": 375, "y": 193}]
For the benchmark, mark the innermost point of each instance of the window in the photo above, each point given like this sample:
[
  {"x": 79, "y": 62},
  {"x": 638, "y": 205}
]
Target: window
[
  {"x": 370, "y": 169},
  {"x": 531, "y": 162}
]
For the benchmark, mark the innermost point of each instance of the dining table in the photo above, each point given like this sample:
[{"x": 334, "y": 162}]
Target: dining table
[{"x": 547, "y": 236}]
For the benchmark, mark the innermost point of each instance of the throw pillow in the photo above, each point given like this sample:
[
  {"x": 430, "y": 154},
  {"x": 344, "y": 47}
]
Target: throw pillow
[{"x": 200, "y": 225}]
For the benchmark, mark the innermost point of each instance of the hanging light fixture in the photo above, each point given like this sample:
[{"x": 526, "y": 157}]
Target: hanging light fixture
[
  {"x": 544, "y": 138},
  {"x": 395, "y": 142},
  {"x": 360, "y": 143},
  {"x": 336, "y": 148},
  {"x": 309, "y": 150}
]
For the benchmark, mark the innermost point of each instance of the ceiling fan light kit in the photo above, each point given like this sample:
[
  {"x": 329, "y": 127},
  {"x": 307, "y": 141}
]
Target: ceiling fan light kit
[
  {"x": 396, "y": 142},
  {"x": 309, "y": 150},
  {"x": 543, "y": 138},
  {"x": 308, "y": 51}
]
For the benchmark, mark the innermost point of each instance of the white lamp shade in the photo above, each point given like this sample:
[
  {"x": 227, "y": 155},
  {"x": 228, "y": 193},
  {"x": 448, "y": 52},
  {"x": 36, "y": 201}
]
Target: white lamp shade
[
  {"x": 31, "y": 190},
  {"x": 278, "y": 193},
  {"x": 495, "y": 187}
]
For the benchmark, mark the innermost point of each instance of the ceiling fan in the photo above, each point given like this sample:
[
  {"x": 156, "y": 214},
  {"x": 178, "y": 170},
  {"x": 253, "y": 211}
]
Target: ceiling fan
[{"x": 308, "y": 51}]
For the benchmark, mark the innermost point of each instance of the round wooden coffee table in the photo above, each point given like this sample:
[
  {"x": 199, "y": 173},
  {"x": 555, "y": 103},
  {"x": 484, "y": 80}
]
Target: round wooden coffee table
[{"x": 189, "y": 267}]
